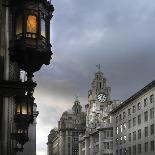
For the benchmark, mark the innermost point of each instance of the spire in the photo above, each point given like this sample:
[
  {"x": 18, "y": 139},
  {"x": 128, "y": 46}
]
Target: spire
[
  {"x": 76, "y": 98},
  {"x": 98, "y": 67}
]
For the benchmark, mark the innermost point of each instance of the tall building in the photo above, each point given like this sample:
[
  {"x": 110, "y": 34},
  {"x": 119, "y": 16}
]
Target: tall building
[
  {"x": 98, "y": 138},
  {"x": 134, "y": 124},
  {"x": 64, "y": 139}
]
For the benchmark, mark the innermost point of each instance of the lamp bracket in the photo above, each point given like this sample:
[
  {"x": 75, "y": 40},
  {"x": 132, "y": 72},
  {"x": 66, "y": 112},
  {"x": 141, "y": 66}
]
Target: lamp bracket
[{"x": 12, "y": 88}]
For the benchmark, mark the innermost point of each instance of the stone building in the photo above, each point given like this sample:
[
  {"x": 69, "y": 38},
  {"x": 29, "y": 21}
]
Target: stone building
[
  {"x": 10, "y": 71},
  {"x": 98, "y": 138},
  {"x": 64, "y": 139},
  {"x": 134, "y": 124}
]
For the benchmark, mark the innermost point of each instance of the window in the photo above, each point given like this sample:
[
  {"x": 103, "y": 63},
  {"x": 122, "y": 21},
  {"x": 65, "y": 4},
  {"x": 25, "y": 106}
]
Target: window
[
  {"x": 134, "y": 149},
  {"x": 152, "y": 145},
  {"x": 124, "y": 138},
  {"x": 129, "y": 123},
  {"x": 134, "y": 109},
  {"x": 151, "y": 113},
  {"x": 111, "y": 133},
  {"x": 139, "y": 134},
  {"x": 139, "y": 119},
  {"x": 124, "y": 115},
  {"x": 31, "y": 24},
  {"x": 139, "y": 106},
  {"x": 145, "y": 102},
  {"x": 129, "y": 150},
  {"x": 121, "y": 128},
  {"x": 120, "y": 117},
  {"x": 117, "y": 130},
  {"x": 134, "y": 135},
  {"x": 106, "y": 145},
  {"x": 129, "y": 111},
  {"x": 146, "y": 131},
  {"x": 134, "y": 121},
  {"x": 117, "y": 119},
  {"x": 152, "y": 129},
  {"x": 151, "y": 98},
  {"x": 120, "y": 151},
  {"x": 124, "y": 151},
  {"x": 124, "y": 126},
  {"x": 111, "y": 145},
  {"x": 129, "y": 137},
  {"x": 116, "y": 152},
  {"x": 121, "y": 139},
  {"x": 146, "y": 115},
  {"x": 107, "y": 134},
  {"x": 139, "y": 148},
  {"x": 146, "y": 147},
  {"x": 116, "y": 141}
]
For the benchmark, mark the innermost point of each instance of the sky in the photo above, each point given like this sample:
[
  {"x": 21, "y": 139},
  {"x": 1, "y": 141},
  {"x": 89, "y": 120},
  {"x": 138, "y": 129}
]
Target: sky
[{"x": 118, "y": 34}]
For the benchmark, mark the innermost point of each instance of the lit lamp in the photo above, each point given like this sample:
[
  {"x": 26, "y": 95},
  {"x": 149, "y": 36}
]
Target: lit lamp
[
  {"x": 24, "y": 110},
  {"x": 30, "y": 44},
  {"x": 23, "y": 117}
]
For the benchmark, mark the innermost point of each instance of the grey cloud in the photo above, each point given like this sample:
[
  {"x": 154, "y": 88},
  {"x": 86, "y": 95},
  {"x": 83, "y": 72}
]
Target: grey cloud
[{"x": 117, "y": 34}]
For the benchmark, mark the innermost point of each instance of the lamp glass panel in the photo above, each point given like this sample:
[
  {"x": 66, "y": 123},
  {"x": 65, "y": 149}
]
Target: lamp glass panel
[
  {"x": 24, "y": 108},
  {"x": 43, "y": 28},
  {"x": 32, "y": 24},
  {"x": 29, "y": 110},
  {"x": 19, "y": 23},
  {"x": 18, "y": 109}
]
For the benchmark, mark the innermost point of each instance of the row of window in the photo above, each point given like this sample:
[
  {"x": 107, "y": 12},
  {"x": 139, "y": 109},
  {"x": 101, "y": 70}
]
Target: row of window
[
  {"x": 136, "y": 135},
  {"x": 123, "y": 115},
  {"x": 108, "y": 145},
  {"x": 108, "y": 134},
  {"x": 136, "y": 149},
  {"x": 134, "y": 122}
]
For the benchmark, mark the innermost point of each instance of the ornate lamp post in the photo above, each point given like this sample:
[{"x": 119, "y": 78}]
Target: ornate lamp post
[
  {"x": 30, "y": 48},
  {"x": 23, "y": 117},
  {"x": 30, "y": 44}
]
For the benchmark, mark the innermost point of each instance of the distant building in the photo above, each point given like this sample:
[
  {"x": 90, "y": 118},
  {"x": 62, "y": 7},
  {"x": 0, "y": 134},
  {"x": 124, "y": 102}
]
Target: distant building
[
  {"x": 98, "y": 138},
  {"x": 134, "y": 124},
  {"x": 64, "y": 139}
]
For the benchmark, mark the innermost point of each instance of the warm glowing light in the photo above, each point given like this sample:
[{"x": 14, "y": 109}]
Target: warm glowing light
[
  {"x": 19, "y": 25},
  {"x": 24, "y": 108},
  {"x": 31, "y": 24},
  {"x": 18, "y": 109},
  {"x": 29, "y": 110}
]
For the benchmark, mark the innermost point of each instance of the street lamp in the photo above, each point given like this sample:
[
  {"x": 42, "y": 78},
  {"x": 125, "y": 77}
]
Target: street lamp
[
  {"x": 29, "y": 48},
  {"x": 23, "y": 110},
  {"x": 23, "y": 117},
  {"x": 30, "y": 44}
]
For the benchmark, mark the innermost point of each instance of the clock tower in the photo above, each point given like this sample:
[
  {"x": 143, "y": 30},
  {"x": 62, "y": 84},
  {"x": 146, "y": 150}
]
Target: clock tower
[{"x": 98, "y": 100}]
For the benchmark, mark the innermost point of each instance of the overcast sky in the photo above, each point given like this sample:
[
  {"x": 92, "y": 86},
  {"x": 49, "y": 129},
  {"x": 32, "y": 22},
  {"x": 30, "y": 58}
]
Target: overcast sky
[{"x": 118, "y": 34}]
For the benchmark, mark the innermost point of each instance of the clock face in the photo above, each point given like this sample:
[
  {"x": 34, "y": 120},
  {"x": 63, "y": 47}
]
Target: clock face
[{"x": 102, "y": 97}]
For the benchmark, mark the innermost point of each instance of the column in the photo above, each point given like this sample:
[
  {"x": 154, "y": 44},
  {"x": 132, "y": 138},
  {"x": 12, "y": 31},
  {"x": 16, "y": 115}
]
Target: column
[
  {"x": 100, "y": 142},
  {"x": 91, "y": 145},
  {"x": 66, "y": 143},
  {"x": 87, "y": 146}
]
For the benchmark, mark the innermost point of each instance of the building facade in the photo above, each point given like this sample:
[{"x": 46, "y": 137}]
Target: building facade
[
  {"x": 98, "y": 138},
  {"x": 134, "y": 124},
  {"x": 64, "y": 139}
]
